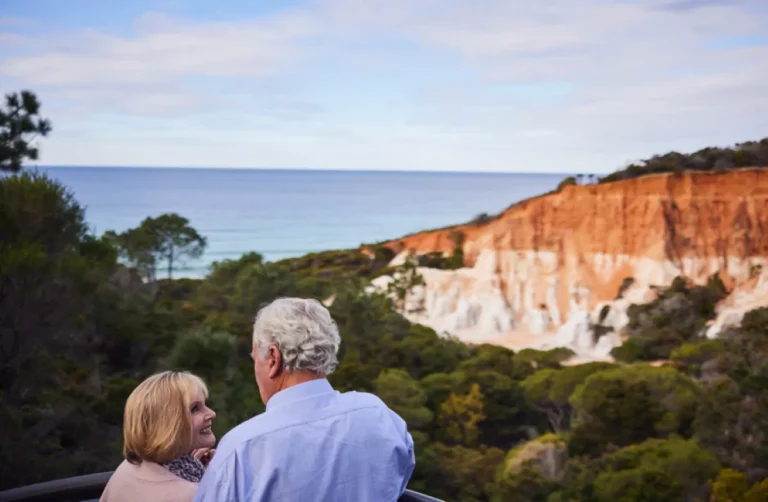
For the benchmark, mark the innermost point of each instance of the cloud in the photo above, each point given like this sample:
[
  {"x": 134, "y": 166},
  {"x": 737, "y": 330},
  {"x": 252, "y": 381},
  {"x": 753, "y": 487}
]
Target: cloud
[
  {"x": 12, "y": 21},
  {"x": 642, "y": 76},
  {"x": 529, "y": 84},
  {"x": 164, "y": 50}
]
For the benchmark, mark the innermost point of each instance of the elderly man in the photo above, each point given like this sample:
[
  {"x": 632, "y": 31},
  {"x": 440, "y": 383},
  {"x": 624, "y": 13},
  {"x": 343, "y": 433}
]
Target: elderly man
[{"x": 312, "y": 443}]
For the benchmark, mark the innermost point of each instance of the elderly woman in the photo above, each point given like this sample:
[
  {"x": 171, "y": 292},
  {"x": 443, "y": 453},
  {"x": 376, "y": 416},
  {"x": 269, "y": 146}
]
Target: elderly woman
[{"x": 168, "y": 440}]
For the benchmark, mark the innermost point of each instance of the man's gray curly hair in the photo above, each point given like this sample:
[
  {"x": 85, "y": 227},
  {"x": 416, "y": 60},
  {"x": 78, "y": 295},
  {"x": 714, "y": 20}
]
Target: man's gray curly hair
[{"x": 304, "y": 332}]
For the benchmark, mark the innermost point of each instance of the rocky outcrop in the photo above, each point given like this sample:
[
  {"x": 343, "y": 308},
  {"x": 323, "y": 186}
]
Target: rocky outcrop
[
  {"x": 547, "y": 455},
  {"x": 547, "y": 270}
]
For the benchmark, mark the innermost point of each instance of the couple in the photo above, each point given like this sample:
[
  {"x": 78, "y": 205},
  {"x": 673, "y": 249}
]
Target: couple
[{"x": 311, "y": 444}]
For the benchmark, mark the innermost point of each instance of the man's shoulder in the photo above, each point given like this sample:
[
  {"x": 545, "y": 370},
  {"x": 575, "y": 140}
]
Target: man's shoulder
[
  {"x": 364, "y": 401},
  {"x": 361, "y": 399},
  {"x": 251, "y": 428}
]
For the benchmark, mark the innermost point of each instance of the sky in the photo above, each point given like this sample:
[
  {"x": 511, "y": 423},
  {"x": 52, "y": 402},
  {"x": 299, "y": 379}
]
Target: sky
[{"x": 582, "y": 86}]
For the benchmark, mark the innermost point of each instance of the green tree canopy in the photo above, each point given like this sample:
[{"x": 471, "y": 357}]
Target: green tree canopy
[
  {"x": 496, "y": 358},
  {"x": 460, "y": 415},
  {"x": 629, "y": 404},
  {"x": 48, "y": 264},
  {"x": 20, "y": 125},
  {"x": 401, "y": 392},
  {"x": 168, "y": 239},
  {"x": 549, "y": 390},
  {"x": 655, "y": 470}
]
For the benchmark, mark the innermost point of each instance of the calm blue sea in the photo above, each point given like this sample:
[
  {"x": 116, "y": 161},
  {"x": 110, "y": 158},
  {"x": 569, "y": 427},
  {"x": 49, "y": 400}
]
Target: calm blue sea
[{"x": 286, "y": 213}]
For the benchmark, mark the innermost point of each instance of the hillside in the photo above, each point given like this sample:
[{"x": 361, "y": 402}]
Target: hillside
[{"x": 553, "y": 262}]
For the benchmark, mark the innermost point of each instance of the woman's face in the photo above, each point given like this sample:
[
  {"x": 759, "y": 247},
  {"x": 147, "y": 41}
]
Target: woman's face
[{"x": 202, "y": 419}]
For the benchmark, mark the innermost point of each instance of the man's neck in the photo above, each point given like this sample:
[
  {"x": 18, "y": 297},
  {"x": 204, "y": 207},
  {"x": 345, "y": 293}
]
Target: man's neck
[{"x": 296, "y": 378}]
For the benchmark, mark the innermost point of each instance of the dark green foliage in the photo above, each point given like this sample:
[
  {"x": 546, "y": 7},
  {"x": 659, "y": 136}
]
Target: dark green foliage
[
  {"x": 466, "y": 474},
  {"x": 544, "y": 358},
  {"x": 500, "y": 359},
  {"x": 20, "y": 125},
  {"x": 167, "y": 239},
  {"x": 732, "y": 486},
  {"x": 48, "y": 266},
  {"x": 439, "y": 386},
  {"x": 528, "y": 485},
  {"x": 756, "y": 322},
  {"x": 678, "y": 315},
  {"x": 625, "y": 285},
  {"x": 440, "y": 261},
  {"x": 732, "y": 419},
  {"x": 434, "y": 260},
  {"x": 422, "y": 352},
  {"x": 692, "y": 355},
  {"x": 630, "y": 404},
  {"x": 335, "y": 265},
  {"x": 506, "y": 409},
  {"x": 570, "y": 180},
  {"x": 405, "y": 396},
  {"x": 481, "y": 219},
  {"x": 549, "y": 391},
  {"x": 50, "y": 269},
  {"x": 651, "y": 471},
  {"x": 749, "y": 154}
]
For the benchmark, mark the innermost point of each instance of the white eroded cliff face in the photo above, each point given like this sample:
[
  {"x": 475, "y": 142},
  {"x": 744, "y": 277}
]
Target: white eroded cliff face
[
  {"x": 521, "y": 300},
  {"x": 547, "y": 270}
]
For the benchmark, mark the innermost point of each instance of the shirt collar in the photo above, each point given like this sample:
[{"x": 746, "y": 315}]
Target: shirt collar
[{"x": 299, "y": 392}]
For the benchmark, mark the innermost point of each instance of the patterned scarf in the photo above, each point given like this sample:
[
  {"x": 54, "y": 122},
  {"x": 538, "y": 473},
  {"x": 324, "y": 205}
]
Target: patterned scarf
[{"x": 186, "y": 467}]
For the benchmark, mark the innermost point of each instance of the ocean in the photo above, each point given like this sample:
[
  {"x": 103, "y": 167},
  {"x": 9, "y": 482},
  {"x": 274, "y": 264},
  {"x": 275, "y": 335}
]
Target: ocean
[{"x": 287, "y": 213}]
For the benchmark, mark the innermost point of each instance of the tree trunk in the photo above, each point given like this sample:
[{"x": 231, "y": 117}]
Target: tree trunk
[{"x": 557, "y": 417}]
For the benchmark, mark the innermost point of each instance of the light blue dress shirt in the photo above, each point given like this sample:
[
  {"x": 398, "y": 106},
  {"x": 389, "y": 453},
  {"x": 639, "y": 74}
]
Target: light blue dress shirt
[{"x": 313, "y": 444}]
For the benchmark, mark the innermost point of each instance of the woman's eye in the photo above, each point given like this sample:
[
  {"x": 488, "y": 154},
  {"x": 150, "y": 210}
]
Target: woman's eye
[{"x": 195, "y": 409}]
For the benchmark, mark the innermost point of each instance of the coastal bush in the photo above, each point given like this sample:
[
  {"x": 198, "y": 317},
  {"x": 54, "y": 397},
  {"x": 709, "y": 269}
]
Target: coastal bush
[
  {"x": 677, "y": 315},
  {"x": 404, "y": 394},
  {"x": 549, "y": 391},
  {"x": 732, "y": 486},
  {"x": 655, "y": 470},
  {"x": 748, "y": 154},
  {"x": 629, "y": 404},
  {"x": 570, "y": 180},
  {"x": 551, "y": 358},
  {"x": 440, "y": 261},
  {"x": 693, "y": 355},
  {"x": 481, "y": 219},
  {"x": 626, "y": 283}
]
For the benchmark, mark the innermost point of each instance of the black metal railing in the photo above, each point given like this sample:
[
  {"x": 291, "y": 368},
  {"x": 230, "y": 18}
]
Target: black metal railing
[{"x": 88, "y": 489}]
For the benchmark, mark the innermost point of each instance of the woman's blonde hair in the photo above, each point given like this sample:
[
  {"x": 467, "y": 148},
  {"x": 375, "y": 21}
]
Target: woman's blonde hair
[{"x": 157, "y": 423}]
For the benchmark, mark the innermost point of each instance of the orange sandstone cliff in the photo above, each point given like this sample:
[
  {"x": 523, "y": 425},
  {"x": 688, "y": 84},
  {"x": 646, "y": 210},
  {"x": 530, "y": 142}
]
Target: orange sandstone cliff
[{"x": 547, "y": 264}]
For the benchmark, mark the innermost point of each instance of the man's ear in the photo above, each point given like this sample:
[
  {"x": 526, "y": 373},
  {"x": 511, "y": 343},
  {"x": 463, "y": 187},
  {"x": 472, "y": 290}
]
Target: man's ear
[{"x": 275, "y": 361}]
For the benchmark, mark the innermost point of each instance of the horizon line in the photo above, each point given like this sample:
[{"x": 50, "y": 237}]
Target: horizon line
[{"x": 304, "y": 169}]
